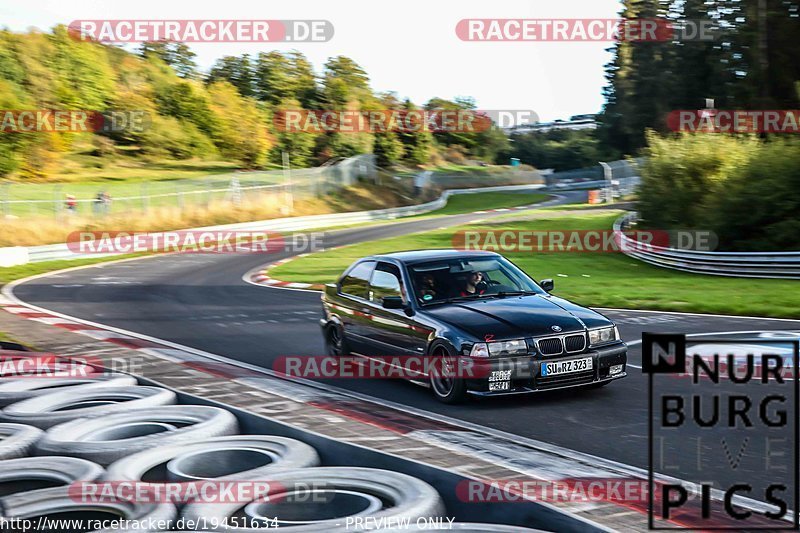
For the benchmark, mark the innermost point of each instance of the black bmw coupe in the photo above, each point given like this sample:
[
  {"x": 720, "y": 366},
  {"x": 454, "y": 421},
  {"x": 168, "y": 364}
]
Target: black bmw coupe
[{"x": 468, "y": 323}]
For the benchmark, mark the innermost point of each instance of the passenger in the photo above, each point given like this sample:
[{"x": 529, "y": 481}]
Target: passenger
[
  {"x": 427, "y": 287},
  {"x": 471, "y": 285}
]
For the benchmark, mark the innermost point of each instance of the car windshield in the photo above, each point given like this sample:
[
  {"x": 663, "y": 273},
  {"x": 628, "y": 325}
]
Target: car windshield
[{"x": 457, "y": 279}]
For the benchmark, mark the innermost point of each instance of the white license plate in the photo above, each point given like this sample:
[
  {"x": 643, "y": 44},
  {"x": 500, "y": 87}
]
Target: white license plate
[
  {"x": 499, "y": 385},
  {"x": 567, "y": 366}
]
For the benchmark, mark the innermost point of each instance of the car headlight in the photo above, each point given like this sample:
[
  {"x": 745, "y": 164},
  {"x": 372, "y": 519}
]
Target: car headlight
[
  {"x": 486, "y": 349},
  {"x": 603, "y": 335}
]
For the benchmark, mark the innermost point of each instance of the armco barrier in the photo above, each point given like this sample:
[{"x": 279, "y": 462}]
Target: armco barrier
[
  {"x": 778, "y": 265},
  {"x": 49, "y": 252},
  {"x": 13, "y": 256}
]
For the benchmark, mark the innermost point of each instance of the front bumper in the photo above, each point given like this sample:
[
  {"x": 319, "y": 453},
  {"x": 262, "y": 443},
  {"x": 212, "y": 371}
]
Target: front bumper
[{"x": 524, "y": 372}]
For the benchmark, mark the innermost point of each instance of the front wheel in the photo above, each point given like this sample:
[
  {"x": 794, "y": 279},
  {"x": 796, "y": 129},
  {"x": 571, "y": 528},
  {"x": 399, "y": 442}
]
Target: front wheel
[{"x": 446, "y": 385}]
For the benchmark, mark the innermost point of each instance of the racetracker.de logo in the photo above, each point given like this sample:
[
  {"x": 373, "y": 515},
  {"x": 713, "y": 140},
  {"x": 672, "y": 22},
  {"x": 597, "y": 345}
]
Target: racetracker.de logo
[
  {"x": 735, "y": 121},
  {"x": 202, "y": 31},
  {"x": 380, "y": 367},
  {"x": 203, "y": 491},
  {"x": 194, "y": 241},
  {"x": 622, "y": 490},
  {"x": 583, "y": 30},
  {"x": 597, "y": 241},
  {"x": 400, "y": 120},
  {"x": 45, "y": 365},
  {"x": 71, "y": 121}
]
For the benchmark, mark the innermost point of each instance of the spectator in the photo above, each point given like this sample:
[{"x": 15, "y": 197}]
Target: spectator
[
  {"x": 72, "y": 204},
  {"x": 106, "y": 200},
  {"x": 97, "y": 206}
]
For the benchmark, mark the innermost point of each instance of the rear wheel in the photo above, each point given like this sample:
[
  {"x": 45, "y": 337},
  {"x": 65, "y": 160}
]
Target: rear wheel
[
  {"x": 446, "y": 385},
  {"x": 335, "y": 342}
]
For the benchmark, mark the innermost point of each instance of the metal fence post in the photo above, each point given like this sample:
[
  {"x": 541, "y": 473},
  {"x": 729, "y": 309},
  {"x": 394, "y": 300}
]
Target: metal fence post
[
  {"x": 145, "y": 197},
  {"x": 4, "y": 198},
  {"x": 287, "y": 178}
]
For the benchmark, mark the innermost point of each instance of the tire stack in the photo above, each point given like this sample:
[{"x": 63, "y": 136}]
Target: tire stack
[{"x": 62, "y": 436}]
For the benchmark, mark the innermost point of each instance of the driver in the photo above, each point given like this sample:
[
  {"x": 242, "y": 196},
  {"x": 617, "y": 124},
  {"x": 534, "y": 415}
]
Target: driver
[{"x": 474, "y": 284}]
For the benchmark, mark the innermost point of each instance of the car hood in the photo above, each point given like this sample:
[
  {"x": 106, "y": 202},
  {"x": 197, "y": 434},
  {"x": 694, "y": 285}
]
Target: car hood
[{"x": 518, "y": 316}]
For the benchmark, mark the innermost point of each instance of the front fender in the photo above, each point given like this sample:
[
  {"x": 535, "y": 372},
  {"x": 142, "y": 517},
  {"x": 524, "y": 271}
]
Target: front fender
[{"x": 441, "y": 341}]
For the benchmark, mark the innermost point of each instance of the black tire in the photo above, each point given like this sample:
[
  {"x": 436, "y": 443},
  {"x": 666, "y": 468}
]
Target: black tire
[
  {"x": 37, "y": 473},
  {"x": 108, "y": 438},
  {"x": 335, "y": 341},
  {"x": 221, "y": 457},
  {"x": 385, "y": 494},
  {"x": 64, "y": 503},
  {"x": 17, "y": 440},
  {"x": 15, "y": 390},
  {"x": 48, "y": 410},
  {"x": 446, "y": 389}
]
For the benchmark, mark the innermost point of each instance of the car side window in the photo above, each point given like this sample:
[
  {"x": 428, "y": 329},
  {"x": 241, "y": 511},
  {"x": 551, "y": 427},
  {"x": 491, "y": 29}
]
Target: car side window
[
  {"x": 356, "y": 281},
  {"x": 385, "y": 282}
]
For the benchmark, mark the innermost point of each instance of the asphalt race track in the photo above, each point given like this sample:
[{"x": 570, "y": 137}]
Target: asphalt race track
[{"x": 201, "y": 301}]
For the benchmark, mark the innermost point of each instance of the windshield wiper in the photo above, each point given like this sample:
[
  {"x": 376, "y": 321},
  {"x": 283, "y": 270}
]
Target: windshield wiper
[
  {"x": 475, "y": 296},
  {"x": 516, "y": 293},
  {"x": 465, "y": 297}
]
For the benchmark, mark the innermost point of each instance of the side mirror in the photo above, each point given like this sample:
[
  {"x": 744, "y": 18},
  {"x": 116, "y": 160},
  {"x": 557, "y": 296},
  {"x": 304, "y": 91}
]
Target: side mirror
[
  {"x": 547, "y": 284},
  {"x": 393, "y": 302},
  {"x": 396, "y": 302}
]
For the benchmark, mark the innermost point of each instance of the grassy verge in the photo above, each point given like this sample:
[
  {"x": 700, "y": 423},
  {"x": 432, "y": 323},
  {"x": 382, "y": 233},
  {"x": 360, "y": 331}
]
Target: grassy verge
[
  {"x": 10, "y": 274},
  {"x": 10, "y": 343},
  {"x": 595, "y": 279},
  {"x": 31, "y": 231},
  {"x": 455, "y": 205},
  {"x": 467, "y": 203}
]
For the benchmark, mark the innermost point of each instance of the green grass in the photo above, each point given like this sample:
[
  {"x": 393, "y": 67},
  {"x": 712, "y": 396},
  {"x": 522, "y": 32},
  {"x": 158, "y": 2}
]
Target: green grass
[
  {"x": 452, "y": 167},
  {"x": 467, "y": 203},
  {"x": 126, "y": 178},
  {"x": 10, "y": 274},
  {"x": 455, "y": 205},
  {"x": 593, "y": 279}
]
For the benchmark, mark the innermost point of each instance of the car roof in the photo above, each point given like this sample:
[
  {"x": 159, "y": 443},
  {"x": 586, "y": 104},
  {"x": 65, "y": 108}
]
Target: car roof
[{"x": 417, "y": 256}]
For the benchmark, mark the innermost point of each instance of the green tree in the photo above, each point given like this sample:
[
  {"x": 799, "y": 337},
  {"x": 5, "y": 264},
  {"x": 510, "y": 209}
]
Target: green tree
[
  {"x": 238, "y": 71},
  {"x": 305, "y": 88},
  {"x": 417, "y": 145},
  {"x": 177, "y": 55},
  {"x": 273, "y": 78},
  {"x": 388, "y": 149},
  {"x": 298, "y": 144},
  {"x": 344, "y": 81},
  {"x": 241, "y": 134}
]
